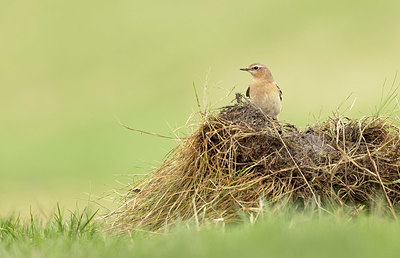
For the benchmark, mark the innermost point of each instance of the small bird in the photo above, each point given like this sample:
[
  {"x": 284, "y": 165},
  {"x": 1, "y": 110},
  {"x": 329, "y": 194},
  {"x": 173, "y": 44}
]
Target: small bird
[{"x": 263, "y": 91}]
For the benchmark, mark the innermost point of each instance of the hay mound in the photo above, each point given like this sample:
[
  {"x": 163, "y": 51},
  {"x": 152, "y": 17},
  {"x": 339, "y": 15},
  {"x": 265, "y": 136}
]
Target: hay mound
[{"x": 239, "y": 158}]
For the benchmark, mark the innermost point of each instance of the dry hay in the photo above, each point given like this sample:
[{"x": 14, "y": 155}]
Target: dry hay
[{"x": 239, "y": 158}]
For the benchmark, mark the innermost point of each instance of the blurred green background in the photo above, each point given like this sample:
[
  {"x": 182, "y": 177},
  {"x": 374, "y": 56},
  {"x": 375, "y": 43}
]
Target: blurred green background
[{"x": 70, "y": 69}]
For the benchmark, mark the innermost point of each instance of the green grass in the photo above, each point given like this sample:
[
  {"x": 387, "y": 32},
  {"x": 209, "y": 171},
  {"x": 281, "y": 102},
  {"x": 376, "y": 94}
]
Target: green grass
[{"x": 275, "y": 234}]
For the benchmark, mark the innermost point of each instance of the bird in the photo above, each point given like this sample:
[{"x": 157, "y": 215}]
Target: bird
[{"x": 264, "y": 91}]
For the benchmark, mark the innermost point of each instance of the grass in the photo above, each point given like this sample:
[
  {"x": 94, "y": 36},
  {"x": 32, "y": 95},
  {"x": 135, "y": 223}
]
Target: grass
[
  {"x": 238, "y": 157},
  {"x": 277, "y": 233}
]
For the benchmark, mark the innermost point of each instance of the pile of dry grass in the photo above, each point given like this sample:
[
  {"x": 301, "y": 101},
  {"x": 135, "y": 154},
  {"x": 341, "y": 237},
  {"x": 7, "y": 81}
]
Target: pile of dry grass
[{"x": 239, "y": 158}]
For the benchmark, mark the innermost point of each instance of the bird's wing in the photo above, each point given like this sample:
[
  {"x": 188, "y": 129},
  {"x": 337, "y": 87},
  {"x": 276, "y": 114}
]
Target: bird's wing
[
  {"x": 280, "y": 91},
  {"x": 248, "y": 92}
]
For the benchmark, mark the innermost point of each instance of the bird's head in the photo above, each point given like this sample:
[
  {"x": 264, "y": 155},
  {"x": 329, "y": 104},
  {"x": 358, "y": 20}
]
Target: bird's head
[{"x": 259, "y": 71}]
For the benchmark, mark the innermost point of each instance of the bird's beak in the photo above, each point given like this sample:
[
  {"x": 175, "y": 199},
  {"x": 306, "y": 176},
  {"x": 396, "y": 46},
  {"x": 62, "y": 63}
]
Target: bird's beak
[{"x": 244, "y": 69}]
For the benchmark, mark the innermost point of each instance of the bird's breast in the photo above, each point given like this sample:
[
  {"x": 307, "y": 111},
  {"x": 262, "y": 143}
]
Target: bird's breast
[{"x": 267, "y": 97}]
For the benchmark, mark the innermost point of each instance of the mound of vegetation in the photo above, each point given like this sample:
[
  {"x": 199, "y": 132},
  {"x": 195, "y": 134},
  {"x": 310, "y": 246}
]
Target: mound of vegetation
[{"x": 239, "y": 158}]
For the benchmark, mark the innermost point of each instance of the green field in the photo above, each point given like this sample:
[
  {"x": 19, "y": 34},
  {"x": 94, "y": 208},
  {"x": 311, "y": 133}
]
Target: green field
[
  {"x": 70, "y": 70},
  {"x": 276, "y": 234}
]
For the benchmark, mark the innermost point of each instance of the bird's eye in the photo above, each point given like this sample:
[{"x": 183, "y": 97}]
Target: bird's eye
[{"x": 255, "y": 68}]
